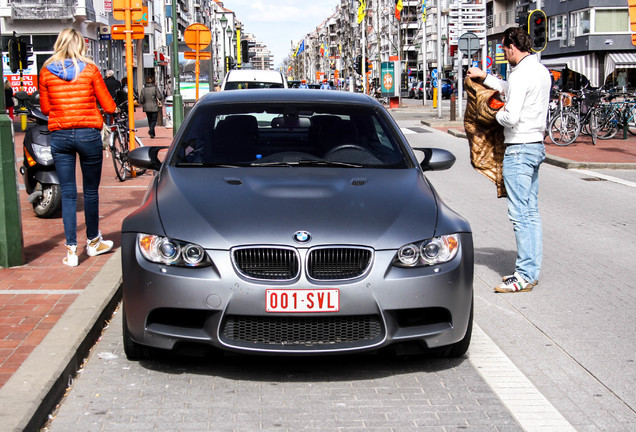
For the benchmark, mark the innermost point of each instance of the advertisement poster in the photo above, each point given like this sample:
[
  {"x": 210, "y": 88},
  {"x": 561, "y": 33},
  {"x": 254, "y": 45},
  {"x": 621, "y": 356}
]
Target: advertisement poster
[{"x": 29, "y": 77}]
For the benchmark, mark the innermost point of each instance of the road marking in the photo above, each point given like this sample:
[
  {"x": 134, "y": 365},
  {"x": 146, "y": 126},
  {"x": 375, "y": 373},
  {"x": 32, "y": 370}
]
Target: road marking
[
  {"x": 605, "y": 177},
  {"x": 524, "y": 401}
]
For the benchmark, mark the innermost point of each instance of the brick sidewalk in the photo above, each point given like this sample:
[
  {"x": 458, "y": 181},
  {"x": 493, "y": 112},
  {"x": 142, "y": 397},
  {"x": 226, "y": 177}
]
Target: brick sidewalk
[{"x": 35, "y": 295}]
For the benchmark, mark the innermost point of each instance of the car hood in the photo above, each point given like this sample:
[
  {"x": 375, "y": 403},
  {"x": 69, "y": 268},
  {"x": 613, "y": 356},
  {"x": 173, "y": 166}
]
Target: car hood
[{"x": 219, "y": 208}]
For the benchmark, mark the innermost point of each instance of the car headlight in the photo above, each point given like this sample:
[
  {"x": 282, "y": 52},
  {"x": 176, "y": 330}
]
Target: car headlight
[
  {"x": 437, "y": 250},
  {"x": 43, "y": 152},
  {"x": 164, "y": 250}
]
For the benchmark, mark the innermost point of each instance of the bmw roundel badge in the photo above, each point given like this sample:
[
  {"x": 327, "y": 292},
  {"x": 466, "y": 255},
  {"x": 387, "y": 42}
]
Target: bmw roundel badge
[{"x": 302, "y": 236}]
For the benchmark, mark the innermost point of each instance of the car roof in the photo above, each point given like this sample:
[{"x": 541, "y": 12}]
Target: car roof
[
  {"x": 254, "y": 74},
  {"x": 287, "y": 95}
]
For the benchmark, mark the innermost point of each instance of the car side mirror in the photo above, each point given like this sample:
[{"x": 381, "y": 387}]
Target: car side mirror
[
  {"x": 435, "y": 159},
  {"x": 146, "y": 157}
]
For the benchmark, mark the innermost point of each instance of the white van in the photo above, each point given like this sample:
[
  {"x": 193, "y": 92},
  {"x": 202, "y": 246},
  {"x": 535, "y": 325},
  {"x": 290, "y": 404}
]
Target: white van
[{"x": 253, "y": 78}]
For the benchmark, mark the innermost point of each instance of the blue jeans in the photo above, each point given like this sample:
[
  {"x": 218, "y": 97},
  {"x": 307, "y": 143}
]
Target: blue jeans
[
  {"x": 521, "y": 177},
  {"x": 65, "y": 145}
]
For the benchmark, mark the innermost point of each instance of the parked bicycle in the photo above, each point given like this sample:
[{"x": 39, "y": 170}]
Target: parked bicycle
[{"x": 119, "y": 147}]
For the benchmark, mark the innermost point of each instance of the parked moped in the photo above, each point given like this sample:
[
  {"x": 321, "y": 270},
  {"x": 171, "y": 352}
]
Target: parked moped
[{"x": 38, "y": 169}]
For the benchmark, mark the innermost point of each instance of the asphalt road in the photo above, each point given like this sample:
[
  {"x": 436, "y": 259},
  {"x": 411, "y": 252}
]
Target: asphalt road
[{"x": 561, "y": 357}]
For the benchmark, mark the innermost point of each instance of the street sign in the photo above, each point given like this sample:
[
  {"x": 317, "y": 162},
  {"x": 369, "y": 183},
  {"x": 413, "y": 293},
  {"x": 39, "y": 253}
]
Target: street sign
[
  {"x": 434, "y": 73},
  {"x": 468, "y": 43},
  {"x": 488, "y": 62},
  {"x": 136, "y": 8},
  {"x": 118, "y": 31},
  {"x": 197, "y": 36},
  {"x": 192, "y": 55},
  {"x": 435, "y": 83}
]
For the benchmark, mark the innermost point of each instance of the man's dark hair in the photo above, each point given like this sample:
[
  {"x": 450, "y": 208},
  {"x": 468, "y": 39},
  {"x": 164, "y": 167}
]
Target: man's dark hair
[{"x": 518, "y": 37}]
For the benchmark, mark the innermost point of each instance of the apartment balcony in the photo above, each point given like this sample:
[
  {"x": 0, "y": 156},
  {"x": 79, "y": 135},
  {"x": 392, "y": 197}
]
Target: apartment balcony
[{"x": 43, "y": 9}]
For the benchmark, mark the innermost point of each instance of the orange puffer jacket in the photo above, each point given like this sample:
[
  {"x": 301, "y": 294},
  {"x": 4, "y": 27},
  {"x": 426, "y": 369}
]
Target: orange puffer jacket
[{"x": 72, "y": 104}]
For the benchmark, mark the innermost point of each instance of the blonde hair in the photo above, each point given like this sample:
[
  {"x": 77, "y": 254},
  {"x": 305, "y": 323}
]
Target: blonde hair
[{"x": 70, "y": 45}]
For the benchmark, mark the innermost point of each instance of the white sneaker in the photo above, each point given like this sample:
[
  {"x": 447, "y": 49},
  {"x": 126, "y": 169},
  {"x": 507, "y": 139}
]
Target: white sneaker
[
  {"x": 98, "y": 246},
  {"x": 71, "y": 258}
]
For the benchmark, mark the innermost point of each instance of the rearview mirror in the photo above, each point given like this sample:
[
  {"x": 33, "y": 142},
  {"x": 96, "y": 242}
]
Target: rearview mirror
[
  {"x": 435, "y": 159},
  {"x": 146, "y": 157}
]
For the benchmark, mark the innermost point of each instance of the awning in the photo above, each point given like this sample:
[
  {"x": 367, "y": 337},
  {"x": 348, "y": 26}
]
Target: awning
[
  {"x": 586, "y": 65},
  {"x": 619, "y": 60}
]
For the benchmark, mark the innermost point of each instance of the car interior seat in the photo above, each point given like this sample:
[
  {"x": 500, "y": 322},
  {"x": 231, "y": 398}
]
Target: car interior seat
[{"x": 235, "y": 139}]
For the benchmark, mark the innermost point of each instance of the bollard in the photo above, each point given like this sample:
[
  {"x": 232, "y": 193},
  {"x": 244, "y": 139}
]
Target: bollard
[{"x": 453, "y": 109}]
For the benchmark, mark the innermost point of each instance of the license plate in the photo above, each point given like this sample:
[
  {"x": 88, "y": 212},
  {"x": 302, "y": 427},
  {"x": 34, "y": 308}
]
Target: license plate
[{"x": 305, "y": 300}]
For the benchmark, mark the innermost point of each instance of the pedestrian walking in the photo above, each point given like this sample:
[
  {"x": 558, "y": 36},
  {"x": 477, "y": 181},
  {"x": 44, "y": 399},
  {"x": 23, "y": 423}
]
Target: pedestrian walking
[
  {"x": 121, "y": 97},
  {"x": 70, "y": 87},
  {"x": 113, "y": 85},
  {"x": 150, "y": 98},
  {"x": 8, "y": 98},
  {"x": 527, "y": 94}
]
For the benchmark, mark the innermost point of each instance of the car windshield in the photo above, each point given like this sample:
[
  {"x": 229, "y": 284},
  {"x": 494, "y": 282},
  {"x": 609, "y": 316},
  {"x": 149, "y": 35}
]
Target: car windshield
[
  {"x": 242, "y": 85},
  {"x": 288, "y": 134}
]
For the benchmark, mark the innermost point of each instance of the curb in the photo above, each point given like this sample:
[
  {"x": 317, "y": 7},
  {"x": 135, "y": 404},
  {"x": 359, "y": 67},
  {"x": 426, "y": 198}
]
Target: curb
[
  {"x": 34, "y": 390},
  {"x": 557, "y": 161}
]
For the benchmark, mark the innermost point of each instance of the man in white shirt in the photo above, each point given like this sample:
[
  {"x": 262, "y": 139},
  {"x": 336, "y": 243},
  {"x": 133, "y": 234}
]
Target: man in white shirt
[{"x": 527, "y": 95}]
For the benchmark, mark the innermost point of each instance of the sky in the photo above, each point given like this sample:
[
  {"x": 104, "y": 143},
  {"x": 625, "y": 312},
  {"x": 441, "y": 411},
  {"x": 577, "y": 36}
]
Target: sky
[{"x": 276, "y": 23}]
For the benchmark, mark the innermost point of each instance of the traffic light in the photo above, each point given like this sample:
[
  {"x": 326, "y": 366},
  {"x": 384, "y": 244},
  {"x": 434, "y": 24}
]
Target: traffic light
[
  {"x": 229, "y": 63},
  {"x": 357, "y": 64},
  {"x": 26, "y": 51},
  {"x": 245, "y": 51},
  {"x": 14, "y": 54},
  {"x": 537, "y": 29}
]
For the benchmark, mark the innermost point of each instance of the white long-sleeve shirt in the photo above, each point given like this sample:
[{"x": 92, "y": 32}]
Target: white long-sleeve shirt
[{"x": 526, "y": 95}]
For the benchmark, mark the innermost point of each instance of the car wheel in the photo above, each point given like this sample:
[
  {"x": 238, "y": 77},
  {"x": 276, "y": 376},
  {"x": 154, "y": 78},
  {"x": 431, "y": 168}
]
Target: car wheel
[{"x": 133, "y": 350}]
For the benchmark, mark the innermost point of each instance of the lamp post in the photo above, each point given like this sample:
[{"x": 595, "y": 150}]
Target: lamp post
[
  {"x": 177, "y": 100},
  {"x": 231, "y": 37},
  {"x": 223, "y": 22}
]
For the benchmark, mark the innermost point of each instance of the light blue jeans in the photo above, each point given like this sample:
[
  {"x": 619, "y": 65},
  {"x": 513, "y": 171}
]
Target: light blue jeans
[{"x": 521, "y": 177}]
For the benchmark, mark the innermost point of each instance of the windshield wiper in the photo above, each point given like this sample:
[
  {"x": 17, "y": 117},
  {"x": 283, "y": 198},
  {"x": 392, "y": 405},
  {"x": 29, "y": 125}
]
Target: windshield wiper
[{"x": 308, "y": 162}]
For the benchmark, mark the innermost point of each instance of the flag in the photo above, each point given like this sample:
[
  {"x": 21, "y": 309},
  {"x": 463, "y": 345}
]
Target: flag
[
  {"x": 423, "y": 10},
  {"x": 300, "y": 48},
  {"x": 322, "y": 49},
  {"x": 362, "y": 10},
  {"x": 398, "y": 9}
]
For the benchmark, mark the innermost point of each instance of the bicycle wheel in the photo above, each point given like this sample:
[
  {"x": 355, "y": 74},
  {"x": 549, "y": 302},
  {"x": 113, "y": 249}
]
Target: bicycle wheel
[
  {"x": 120, "y": 159},
  {"x": 608, "y": 124},
  {"x": 564, "y": 129},
  {"x": 592, "y": 125}
]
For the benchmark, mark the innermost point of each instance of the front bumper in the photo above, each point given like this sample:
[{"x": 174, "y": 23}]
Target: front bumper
[{"x": 166, "y": 306}]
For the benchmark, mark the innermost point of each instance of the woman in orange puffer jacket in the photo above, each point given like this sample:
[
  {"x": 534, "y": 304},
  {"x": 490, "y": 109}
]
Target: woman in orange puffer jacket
[{"x": 70, "y": 87}]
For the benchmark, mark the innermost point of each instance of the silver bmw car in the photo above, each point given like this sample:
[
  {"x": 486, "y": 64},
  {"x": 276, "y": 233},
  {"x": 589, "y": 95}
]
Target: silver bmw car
[{"x": 295, "y": 222}]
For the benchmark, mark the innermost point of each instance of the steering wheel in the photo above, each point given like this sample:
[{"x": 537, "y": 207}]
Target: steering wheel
[{"x": 342, "y": 147}]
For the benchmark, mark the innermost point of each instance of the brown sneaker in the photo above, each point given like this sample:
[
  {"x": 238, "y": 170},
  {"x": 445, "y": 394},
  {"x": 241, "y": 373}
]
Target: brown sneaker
[{"x": 98, "y": 246}]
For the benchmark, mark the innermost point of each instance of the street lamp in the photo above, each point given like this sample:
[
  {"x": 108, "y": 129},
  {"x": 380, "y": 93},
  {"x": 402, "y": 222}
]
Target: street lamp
[
  {"x": 223, "y": 22},
  {"x": 230, "y": 47}
]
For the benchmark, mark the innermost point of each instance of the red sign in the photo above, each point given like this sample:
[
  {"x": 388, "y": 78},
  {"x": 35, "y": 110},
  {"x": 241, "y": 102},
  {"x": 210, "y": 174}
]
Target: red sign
[{"x": 29, "y": 83}]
